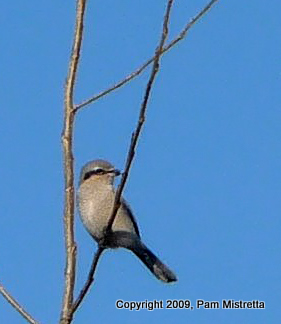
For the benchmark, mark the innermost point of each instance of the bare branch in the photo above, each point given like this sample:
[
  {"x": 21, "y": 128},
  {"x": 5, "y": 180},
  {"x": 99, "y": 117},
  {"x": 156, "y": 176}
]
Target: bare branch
[
  {"x": 131, "y": 153},
  {"x": 17, "y": 306},
  {"x": 67, "y": 136},
  {"x": 134, "y": 74},
  {"x": 136, "y": 134},
  {"x": 90, "y": 279},
  {"x": 70, "y": 110}
]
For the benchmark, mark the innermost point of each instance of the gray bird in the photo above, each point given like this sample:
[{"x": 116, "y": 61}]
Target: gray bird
[{"x": 95, "y": 201}]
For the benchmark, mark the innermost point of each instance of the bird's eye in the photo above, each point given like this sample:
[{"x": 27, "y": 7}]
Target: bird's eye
[{"x": 98, "y": 171}]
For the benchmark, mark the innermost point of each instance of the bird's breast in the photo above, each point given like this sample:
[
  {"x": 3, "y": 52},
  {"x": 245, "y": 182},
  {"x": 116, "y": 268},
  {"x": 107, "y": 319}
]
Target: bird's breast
[{"x": 95, "y": 205}]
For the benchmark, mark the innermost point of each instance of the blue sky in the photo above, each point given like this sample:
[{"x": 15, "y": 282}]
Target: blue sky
[{"x": 205, "y": 185}]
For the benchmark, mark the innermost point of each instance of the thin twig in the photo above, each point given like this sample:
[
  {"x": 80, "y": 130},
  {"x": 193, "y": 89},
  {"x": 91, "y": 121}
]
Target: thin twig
[
  {"x": 67, "y": 136},
  {"x": 90, "y": 279},
  {"x": 136, "y": 134},
  {"x": 134, "y": 74},
  {"x": 17, "y": 306}
]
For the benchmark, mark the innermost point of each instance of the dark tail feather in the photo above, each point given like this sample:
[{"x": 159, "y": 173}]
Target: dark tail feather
[{"x": 133, "y": 243}]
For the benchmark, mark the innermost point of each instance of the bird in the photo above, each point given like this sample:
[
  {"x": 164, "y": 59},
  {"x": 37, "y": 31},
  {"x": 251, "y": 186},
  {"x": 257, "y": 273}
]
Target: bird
[{"x": 96, "y": 196}]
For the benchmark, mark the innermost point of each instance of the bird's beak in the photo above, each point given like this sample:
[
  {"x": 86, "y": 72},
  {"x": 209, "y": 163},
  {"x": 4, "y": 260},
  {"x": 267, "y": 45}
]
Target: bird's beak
[{"x": 116, "y": 172}]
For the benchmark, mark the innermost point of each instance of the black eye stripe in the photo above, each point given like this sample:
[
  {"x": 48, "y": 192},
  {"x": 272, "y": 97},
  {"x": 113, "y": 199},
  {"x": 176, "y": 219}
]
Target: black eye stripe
[
  {"x": 93, "y": 172},
  {"x": 87, "y": 175}
]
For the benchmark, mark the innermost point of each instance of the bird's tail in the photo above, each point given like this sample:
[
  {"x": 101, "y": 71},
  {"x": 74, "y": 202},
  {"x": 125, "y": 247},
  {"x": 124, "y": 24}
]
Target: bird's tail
[{"x": 133, "y": 243}]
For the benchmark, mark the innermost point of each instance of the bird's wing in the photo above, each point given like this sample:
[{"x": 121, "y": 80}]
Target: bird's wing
[{"x": 127, "y": 208}]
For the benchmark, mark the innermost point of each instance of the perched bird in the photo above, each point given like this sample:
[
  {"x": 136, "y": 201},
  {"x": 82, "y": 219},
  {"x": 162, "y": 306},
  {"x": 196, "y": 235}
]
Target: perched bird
[{"x": 96, "y": 196}]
